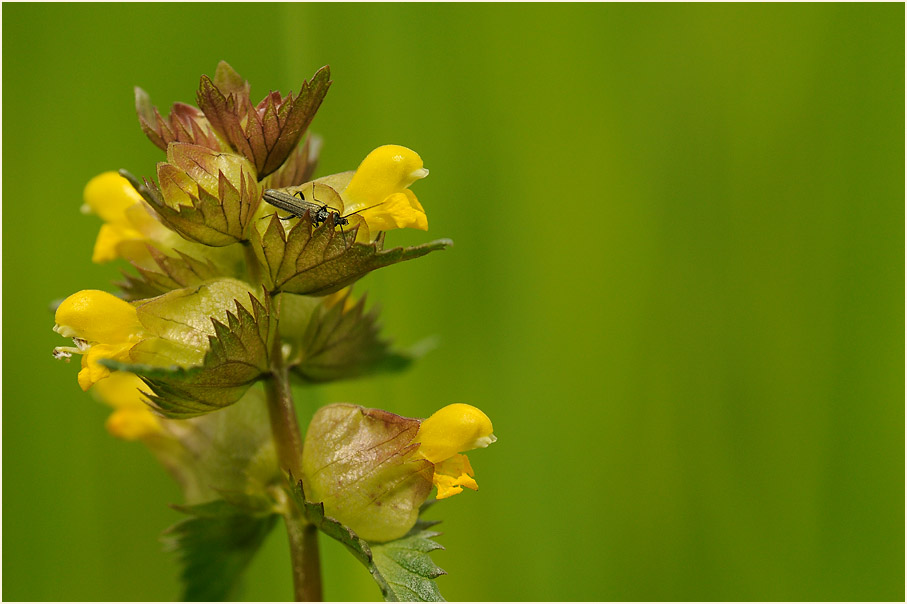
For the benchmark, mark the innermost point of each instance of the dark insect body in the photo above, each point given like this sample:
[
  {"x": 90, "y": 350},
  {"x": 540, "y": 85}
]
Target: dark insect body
[
  {"x": 319, "y": 212},
  {"x": 297, "y": 207}
]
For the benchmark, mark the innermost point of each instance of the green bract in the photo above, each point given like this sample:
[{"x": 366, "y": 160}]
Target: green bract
[
  {"x": 206, "y": 196},
  {"x": 206, "y": 347},
  {"x": 358, "y": 463},
  {"x": 321, "y": 260},
  {"x": 266, "y": 133}
]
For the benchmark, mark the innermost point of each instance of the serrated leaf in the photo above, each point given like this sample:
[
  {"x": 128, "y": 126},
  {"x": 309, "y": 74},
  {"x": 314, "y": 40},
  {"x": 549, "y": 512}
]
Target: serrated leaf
[
  {"x": 342, "y": 343},
  {"x": 267, "y": 133},
  {"x": 227, "y": 79},
  {"x": 186, "y": 124},
  {"x": 317, "y": 261},
  {"x": 214, "y": 546},
  {"x": 237, "y": 357},
  {"x": 402, "y": 568},
  {"x": 407, "y": 568},
  {"x": 359, "y": 463}
]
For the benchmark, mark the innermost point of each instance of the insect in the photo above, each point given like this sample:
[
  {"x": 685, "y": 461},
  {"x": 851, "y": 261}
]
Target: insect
[
  {"x": 319, "y": 212},
  {"x": 297, "y": 207}
]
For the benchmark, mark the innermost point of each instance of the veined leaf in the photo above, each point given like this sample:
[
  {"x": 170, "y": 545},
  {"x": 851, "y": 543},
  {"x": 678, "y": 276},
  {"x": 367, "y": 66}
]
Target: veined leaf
[
  {"x": 206, "y": 196},
  {"x": 321, "y": 260},
  {"x": 360, "y": 463},
  {"x": 406, "y": 566},
  {"x": 186, "y": 124}
]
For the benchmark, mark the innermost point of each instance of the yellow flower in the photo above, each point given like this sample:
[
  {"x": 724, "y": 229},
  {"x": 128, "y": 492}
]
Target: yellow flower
[
  {"x": 102, "y": 327},
  {"x": 132, "y": 419},
  {"x": 127, "y": 222},
  {"x": 376, "y": 197},
  {"x": 444, "y": 436},
  {"x": 130, "y": 225}
]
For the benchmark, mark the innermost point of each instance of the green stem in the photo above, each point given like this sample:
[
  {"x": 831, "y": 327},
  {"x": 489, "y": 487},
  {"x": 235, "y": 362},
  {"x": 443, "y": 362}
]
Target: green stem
[
  {"x": 282, "y": 411},
  {"x": 303, "y": 536},
  {"x": 303, "y": 539}
]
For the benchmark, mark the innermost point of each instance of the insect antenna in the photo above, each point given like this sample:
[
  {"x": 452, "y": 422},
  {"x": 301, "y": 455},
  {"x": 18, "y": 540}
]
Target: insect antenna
[{"x": 362, "y": 210}]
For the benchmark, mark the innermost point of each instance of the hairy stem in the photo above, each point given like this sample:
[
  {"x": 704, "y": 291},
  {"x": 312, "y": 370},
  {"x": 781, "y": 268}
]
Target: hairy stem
[{"x": 303, "y": 537}]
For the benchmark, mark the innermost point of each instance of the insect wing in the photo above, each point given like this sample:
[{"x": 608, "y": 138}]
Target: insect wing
[{"x": 289, "y": 203}]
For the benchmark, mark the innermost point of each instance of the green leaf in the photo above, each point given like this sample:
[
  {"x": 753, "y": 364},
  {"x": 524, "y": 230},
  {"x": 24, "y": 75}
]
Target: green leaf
[
  {"x": 319, "y": 261},
  {"x": 402, "y": 568},
  {"x": 406, "y": 566},
  {"x": 341, "y": 343},
  {"x": 228, "y": 80},
  {"x": 214, "y": 546},
  {"x": 359, "y": 463}
]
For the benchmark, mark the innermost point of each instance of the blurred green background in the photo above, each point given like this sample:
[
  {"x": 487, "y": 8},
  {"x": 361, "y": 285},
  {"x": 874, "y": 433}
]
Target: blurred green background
[{"x": 677, "y": 287}]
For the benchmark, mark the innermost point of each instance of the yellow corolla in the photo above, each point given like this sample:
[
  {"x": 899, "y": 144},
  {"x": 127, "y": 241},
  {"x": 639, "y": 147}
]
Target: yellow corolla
[
  {"x": 102, "y": 326},
  {"x": 119, "y": 205},
  {"x": 131, "y": 419},
  {"x": 376, "y": 197},
  {"x": 444, "y": 436}
]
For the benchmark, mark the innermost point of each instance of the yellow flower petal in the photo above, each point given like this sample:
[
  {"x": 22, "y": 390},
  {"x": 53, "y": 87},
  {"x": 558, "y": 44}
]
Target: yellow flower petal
[
  {"x": 97, "y": 316},
  {"x": 452, "y": 475},
  {"x": 396, "y": 212},
  {"x": 109, "y": 195},
  {"x": 454, "y": 429},
  {"x": 84, "y": 377},
  {"x": 107, "y": 245},
  {"x": 386, "y": 170},
  {"x": 104, "y": 327},
  {"x": 121, "y": 391}
]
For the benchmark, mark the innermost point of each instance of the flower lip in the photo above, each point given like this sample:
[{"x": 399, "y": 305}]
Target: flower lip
[
  {"x": 97, "y": 316},
  {"x": 65, "y": 330},
  {"x": 417, "y": 174},
  {"x": 484, "y": 441}
]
